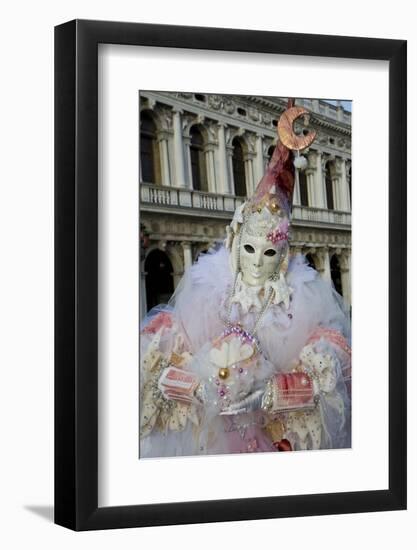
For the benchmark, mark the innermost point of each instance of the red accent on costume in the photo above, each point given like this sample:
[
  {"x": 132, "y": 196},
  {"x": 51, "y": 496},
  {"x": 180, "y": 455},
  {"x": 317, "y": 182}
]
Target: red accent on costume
[
  {"x": 283, "y": 445},
  {"x": 163, "y": 319},
  {"x": 293, "y": 389}
]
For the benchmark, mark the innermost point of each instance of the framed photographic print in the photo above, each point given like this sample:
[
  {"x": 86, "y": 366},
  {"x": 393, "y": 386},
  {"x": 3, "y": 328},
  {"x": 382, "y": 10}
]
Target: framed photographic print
[{"x": 230, "y": 275}]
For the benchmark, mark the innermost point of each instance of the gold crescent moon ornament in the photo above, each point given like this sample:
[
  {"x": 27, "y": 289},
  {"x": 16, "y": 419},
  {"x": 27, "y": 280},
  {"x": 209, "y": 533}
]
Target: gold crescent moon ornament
[{"x": 286, "y": 132}]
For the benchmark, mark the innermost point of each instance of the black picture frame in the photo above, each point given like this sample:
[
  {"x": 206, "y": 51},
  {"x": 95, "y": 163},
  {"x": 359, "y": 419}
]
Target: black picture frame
[{"x": 76, "y": 272}]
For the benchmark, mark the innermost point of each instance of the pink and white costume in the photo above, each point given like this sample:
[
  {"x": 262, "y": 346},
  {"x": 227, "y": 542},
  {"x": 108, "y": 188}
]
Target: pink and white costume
[{"x": 231, "y": 366}]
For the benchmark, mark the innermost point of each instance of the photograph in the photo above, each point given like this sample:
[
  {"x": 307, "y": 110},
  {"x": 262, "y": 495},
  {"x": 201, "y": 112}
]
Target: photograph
[
  {"x": 208, "y": 268},
  {"x": 245, "y": 293}
]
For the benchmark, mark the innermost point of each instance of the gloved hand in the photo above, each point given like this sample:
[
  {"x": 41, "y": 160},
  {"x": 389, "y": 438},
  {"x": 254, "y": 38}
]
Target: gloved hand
[{"x": 252, "y": 402}]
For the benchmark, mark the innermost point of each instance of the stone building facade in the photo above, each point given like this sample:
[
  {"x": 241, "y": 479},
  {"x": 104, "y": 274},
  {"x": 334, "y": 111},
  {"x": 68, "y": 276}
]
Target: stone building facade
[{"x": 202, "y": 154}]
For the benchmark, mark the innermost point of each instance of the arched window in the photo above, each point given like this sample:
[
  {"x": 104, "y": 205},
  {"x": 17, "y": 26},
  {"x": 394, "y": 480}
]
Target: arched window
[
  {"x": 302, "y": 178},
  {"x": 198, "y": 160},
  {"x": 239, "y": 175},
  {"x": 149, "y": 150},
  {"x": 310, "y": 260},
  {"x": 159, "y": 280},
  {"x": 329, "y": 188},
  {"x": 271, "y": 150},
  {"x": 336, "y": 274}
]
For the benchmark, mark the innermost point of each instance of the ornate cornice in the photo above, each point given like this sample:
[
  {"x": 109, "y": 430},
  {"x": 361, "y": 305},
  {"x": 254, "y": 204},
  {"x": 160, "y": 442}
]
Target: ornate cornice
[
  {"x": 252, "y": 110},
  {"x": 278, "y": 105}
]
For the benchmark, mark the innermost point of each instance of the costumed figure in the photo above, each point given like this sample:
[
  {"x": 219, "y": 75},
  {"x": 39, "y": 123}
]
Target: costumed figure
[{"x": 253, "y": 352}]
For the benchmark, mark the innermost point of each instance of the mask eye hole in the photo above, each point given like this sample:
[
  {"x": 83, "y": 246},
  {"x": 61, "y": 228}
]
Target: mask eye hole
[
  {"x": 270, "y": 252},
  {"x": 249, "y": 248}
]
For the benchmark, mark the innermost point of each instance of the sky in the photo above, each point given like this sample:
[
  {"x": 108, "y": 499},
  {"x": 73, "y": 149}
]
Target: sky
[{"x": 347, "y": 105}]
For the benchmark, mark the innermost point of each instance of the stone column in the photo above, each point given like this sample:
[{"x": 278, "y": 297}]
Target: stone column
[
  {"x": 315, "y": 180},
  {"x": 348, "y": 166},
  {"x": 180, "y": 180},
  {"x": 250, "y": 186},
  {"x": 163, "y": 152},
  {"x": 188, "y": 172},
  {"x": 259, "y": 170},
  {"x": 345, "y": 187},
  {"x": 320, "y": 181},
  {"x": 335, "y": 179},
  {"x": 346, "y": 277},
  {"x": 188, "y": 255},
  {"x": 225, "y": 187},
  {"x": 296, "y": 197},
  {"x": 324, "y": 260},
  {"x": 229, "y": 152},
  {"x": 336, "y": 193},
  {"x": 311, "y": 187},
  {"x": 210, "y": 167}
]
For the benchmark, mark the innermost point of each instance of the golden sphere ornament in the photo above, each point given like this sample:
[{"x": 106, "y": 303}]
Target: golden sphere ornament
[
  {"x": 224, "y": 373},
  {"x": 274, "y": 206}
]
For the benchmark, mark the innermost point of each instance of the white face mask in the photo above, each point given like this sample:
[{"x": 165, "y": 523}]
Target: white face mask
[{"x": 259, "y": 259}]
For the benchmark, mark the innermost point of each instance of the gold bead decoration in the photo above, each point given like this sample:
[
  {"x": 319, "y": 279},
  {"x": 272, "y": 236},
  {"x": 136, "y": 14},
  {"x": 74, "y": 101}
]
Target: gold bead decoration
[
  {"x": 274, "y": 206},
  {"x": 224, "y": 373}
]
